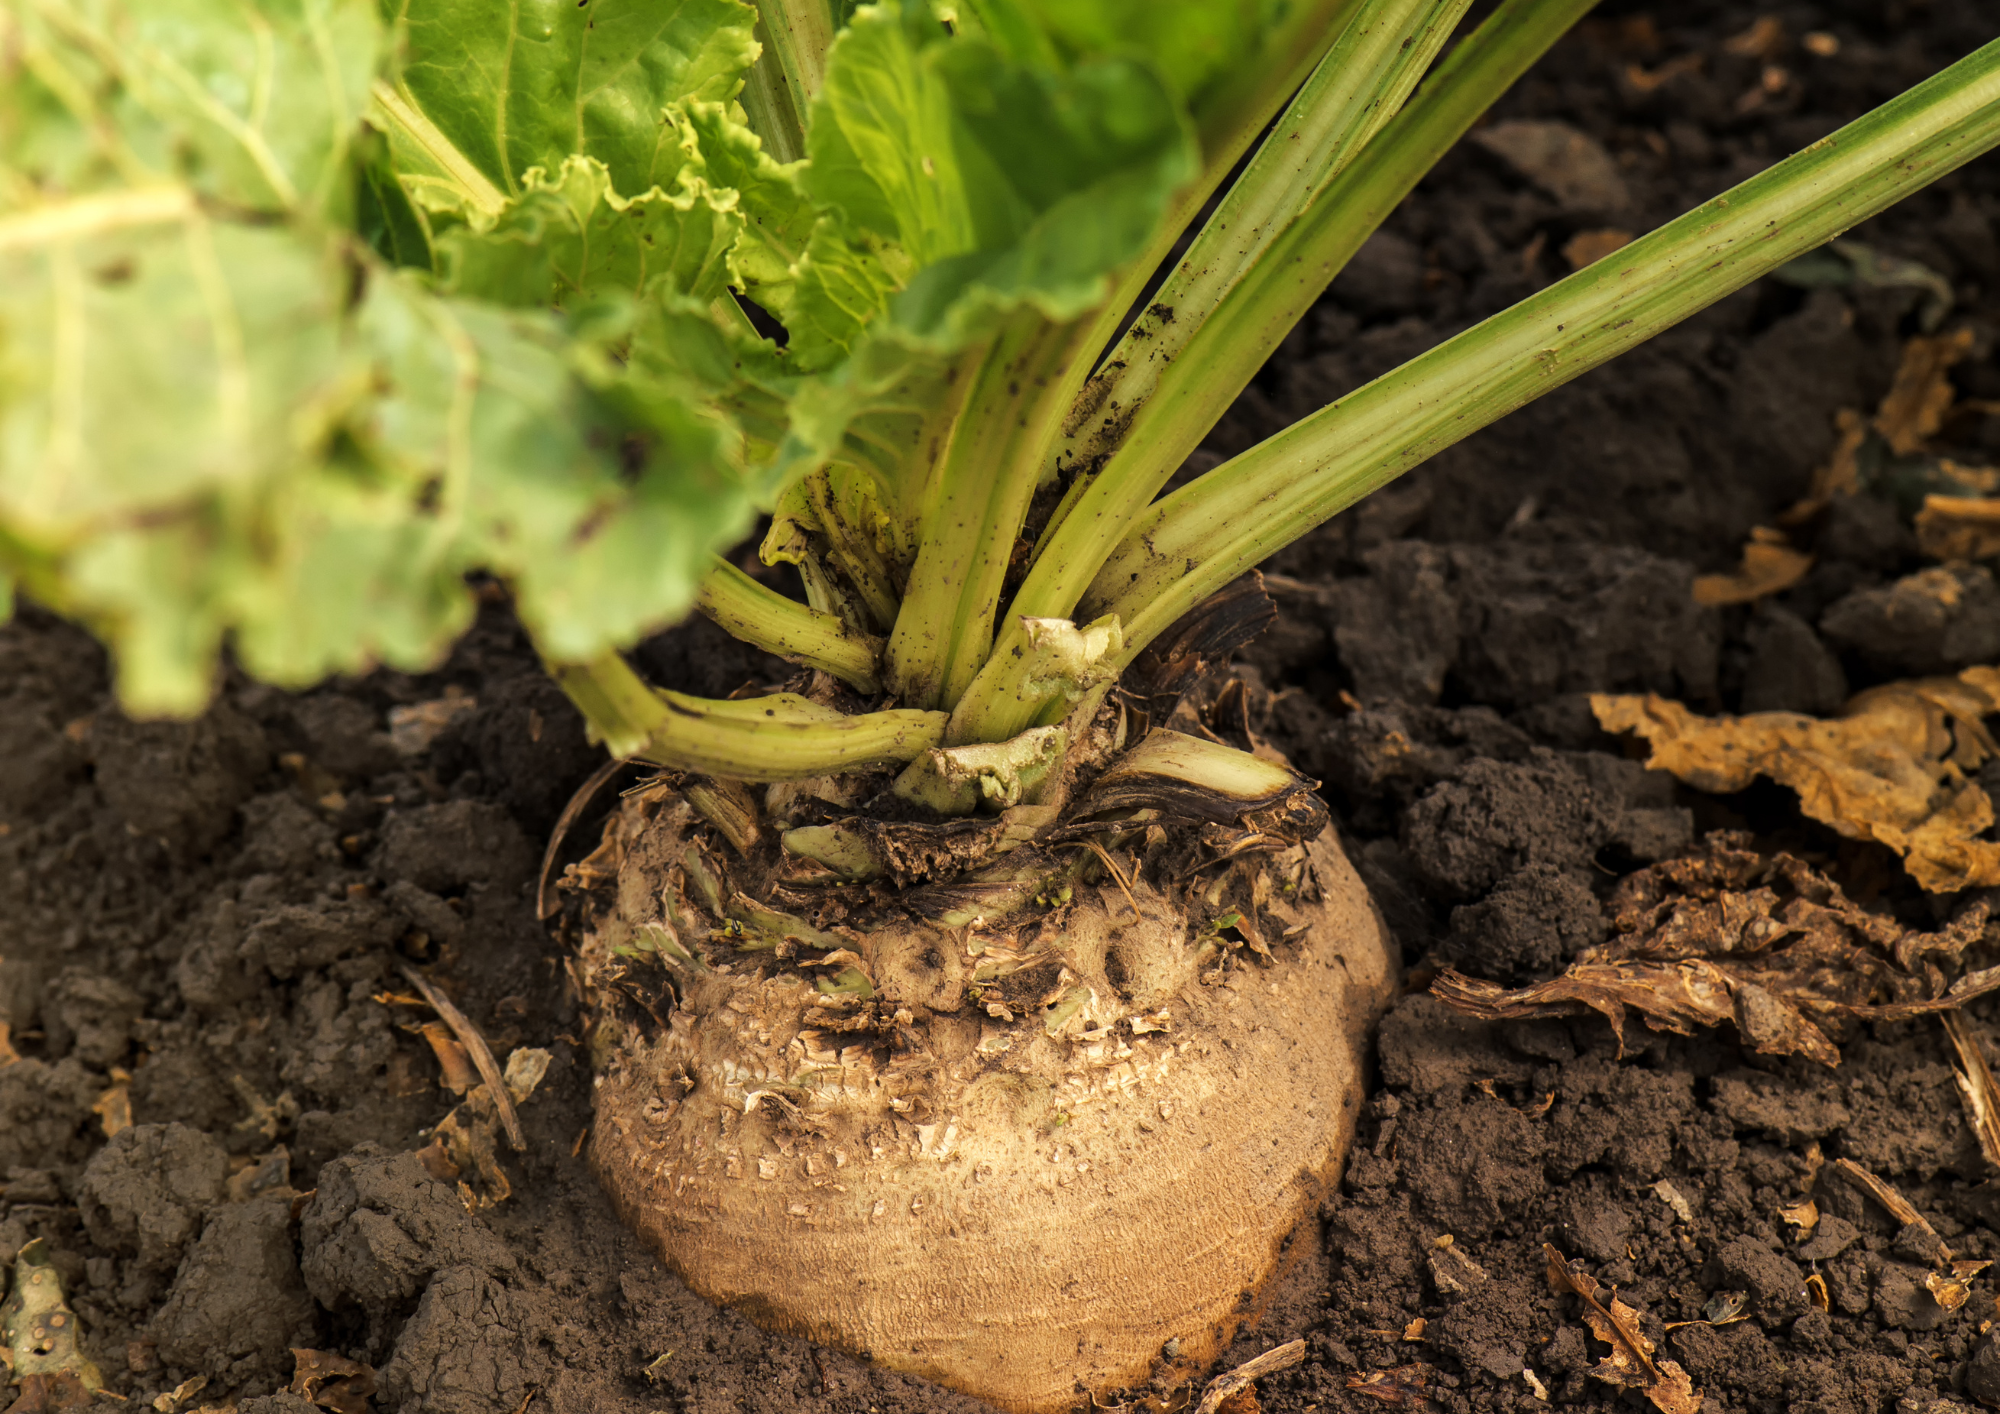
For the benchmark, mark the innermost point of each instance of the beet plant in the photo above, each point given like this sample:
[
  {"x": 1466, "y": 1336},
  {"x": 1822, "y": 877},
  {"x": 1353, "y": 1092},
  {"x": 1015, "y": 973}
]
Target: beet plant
[{"x": 984, "y": 1001}]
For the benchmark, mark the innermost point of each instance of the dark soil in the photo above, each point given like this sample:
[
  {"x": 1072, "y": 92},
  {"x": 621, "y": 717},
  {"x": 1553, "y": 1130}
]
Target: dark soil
[{"x": 206, "y": 914}]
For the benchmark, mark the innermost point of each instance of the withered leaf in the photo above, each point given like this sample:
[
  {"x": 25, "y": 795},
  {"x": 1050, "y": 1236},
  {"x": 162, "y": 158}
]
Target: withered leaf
[
  {"x": 1918, "y": 399},
  {"x": 1726, "y": 1308},
  {"x": 1665, "y": 1384},
  {"x": 463, "y": 1146},
  {"x": 1402, "y": 1387},
  {"x": 1723, "y": 934},
  {"x": 1959, "y": 527},
  {"x": 51, "y": 1393},
  {"x": 1893, "y": 767},
  {"x": 1769, "y": 566},
  {"x": 333, "y": 1381}
]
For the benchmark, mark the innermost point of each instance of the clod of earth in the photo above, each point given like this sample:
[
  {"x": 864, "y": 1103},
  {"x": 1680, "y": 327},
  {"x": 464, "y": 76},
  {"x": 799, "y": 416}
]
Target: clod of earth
[
  {"x": 1893, "y": 767},
  {"x": 1724, "y": 934},
  {"x": 1059, "y": 1100}
]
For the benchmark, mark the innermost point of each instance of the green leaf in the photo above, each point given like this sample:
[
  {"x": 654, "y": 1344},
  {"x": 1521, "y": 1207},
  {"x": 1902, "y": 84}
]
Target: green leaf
[
  {"x": 1195, "y": 45},
  {"x": 253, "y": 103},
  {"x": 817, "y": 276},
  {"x": 536, "y": 82},
  {"x": 1005, "y": 184},
  {"x": 203, "y": 440},
  {"x": 571, "y": 236}
]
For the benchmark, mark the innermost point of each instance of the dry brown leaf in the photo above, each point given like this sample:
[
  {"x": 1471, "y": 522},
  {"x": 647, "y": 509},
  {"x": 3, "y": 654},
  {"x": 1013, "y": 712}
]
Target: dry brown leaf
[
  {"x": 114, "y": 1107},
  {"x": 333, "y": 1381},
  {"x": 463, "y": 1149},
  {"x": 1816, "y": 1292},
  {"x": 1893, "y": 767},
  {"x": 178, "y": 1398},
  {"x": 1769, "y": 566},
  {"x": 1589, "y": 247},
  {"x": 1631, "y": 1361},
  {"x": 1951, "y": 1289},
  {"x": 1959, "y": 527},
  {"x": 459, "y": 1074},
  {"x": 1976, "y": 1087},
  {"x": 1402, "y": 1387},
  {"x": 1724, "y": 934},
  {"x": 1839, "y": 476},
  {"x": 1921, "y": 394},
  {"x": 1803, "y": 1215}
]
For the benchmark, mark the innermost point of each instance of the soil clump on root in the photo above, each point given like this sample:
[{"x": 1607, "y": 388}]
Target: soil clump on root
[{"x": 197, "y": 921}]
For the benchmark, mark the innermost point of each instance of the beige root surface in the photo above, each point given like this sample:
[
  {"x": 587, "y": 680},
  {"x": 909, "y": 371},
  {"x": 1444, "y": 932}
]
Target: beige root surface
[{"x": 1012, "y": 1213}]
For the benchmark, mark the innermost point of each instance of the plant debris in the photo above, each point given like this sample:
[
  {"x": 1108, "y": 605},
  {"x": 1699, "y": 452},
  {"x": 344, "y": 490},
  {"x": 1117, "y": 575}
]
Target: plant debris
[
  {"x": 1223, "y": 1387},
  {"x": 39, "y": 1333},
  {"x": 1770, "y": 945},
  {"x": 481, "y": 1053},
  {"x": 180, "y": 1396},
  {"x": 1893, "y": 1202},
  {"x": 1770, "y": 566},
  {"x": 1402, "y": 1387},
  {"x": 1914, "y": 408},
  {"x": 1976, "y": 1087},
  {"x": 114, "y": 1107},
  {"x": 1630, "y": 1364},
  {"x": 1959, "y": 527},
  {"x": 333, "y": 1381},
  {"x": 1893, "y": 767},
  {"x": 463, "y": 1146},
  {"x": 1846, "y": 263}
]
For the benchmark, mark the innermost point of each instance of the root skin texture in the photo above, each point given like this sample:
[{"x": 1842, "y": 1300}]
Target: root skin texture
[{"x": 1016, "y": 1187}]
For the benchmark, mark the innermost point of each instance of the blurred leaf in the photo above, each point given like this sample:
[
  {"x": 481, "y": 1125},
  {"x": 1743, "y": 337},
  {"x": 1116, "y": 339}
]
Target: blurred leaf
[
  {"x": 1913, "y": 409},
  {"x": 1845, "y": 262},
  {"x": 1770, "y": 566},
  {"x": 1194, "y": 45},
  {"x": 252, "y": 103}
]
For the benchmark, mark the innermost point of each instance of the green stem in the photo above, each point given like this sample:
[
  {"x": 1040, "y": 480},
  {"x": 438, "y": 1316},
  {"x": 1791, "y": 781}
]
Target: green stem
[
  {"x": 1359, "y": 86},
  {"x": 981, "y": 493},
  {"x": 1204, "y": 535},
  {"x": 782, "y": 737},
  {"x": 766, "y": 619},
  {"x": 1253, "y": 316},
  {"x": 1228, "y": 126},
  {"x": 851, "y": 548},
  {"x": 778, "y": 95}
]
